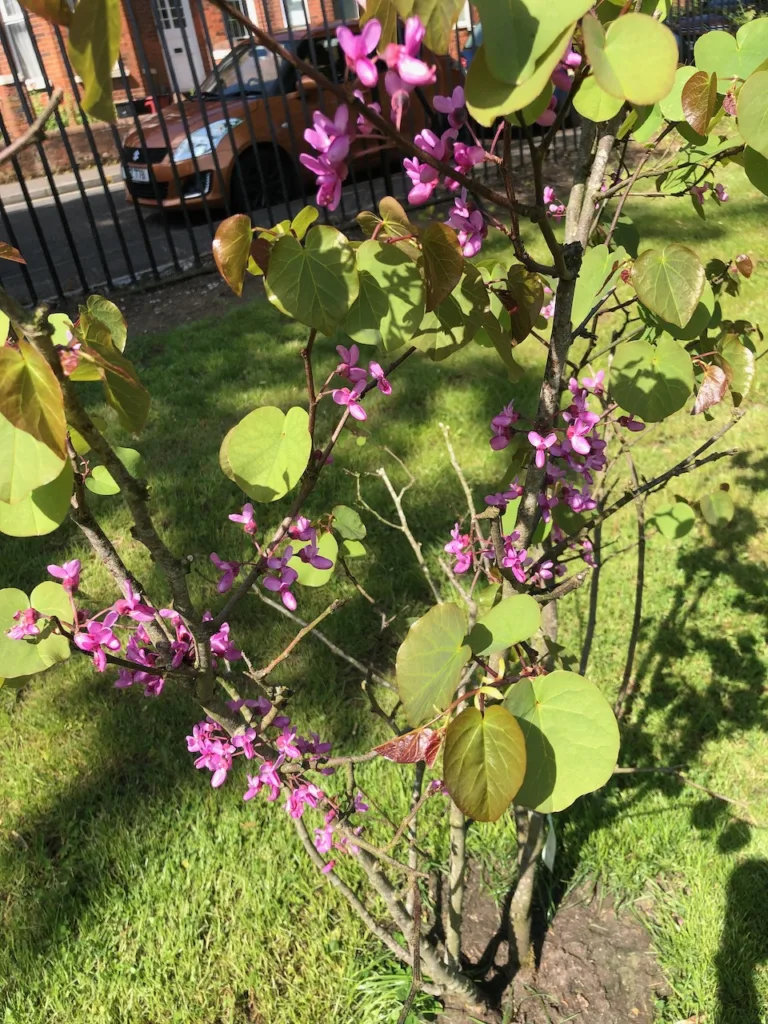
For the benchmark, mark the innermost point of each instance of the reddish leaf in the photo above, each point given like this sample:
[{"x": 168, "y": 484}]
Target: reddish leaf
[
  {"x": 698, "y": 100},
  {"x": 712, "y": 389},
  {"x": 443, "y": 262},
  {"x": 30, "y": 396},
  {"x": 7, "y": 252},
  {"x": 231, "y": 249},
  {"x": 744, "y": 265},
  {"x": 418, "y": 745},
  {"x": 260, "y": 251}
]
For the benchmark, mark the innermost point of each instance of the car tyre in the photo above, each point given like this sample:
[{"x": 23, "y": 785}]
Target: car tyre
[{"x": 261, "y": 181}]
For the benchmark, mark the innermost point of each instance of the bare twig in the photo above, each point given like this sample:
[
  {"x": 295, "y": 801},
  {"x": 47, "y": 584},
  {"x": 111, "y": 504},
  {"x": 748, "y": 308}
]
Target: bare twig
[
  {"x": 566, "y": 587},
  {"x": 621, "y": 704},
  {"x": 35, "y": 132},
  {"x": 397, "y": 501},
  {"x": 262, "y": 673},
  {"x": 415, "y": 953},
  {"x": 594, "y": 589}
]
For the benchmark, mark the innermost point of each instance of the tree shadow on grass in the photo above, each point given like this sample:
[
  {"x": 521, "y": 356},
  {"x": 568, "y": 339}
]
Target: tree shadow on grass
[{"x": 744, "y": 944}]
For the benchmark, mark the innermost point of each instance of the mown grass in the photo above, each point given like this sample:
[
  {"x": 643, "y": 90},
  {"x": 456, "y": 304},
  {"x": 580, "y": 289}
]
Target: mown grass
[{"x": 133, "y": 893}]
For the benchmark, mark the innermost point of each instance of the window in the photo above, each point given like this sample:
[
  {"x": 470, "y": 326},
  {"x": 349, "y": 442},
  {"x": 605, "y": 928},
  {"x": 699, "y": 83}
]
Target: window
[
  {"x": 25, "y": 60},
  {"x": 295, "y": 13},
  {"x": 236, "y": 30}
]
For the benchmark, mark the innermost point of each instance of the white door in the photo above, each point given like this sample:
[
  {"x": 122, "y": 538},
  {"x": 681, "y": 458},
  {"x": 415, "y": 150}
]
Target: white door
[{"x": 181, "y": 44}]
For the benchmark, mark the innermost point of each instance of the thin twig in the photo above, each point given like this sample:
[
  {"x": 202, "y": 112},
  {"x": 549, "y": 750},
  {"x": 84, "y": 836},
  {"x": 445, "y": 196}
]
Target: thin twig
[
  {"x": 460, "y": 474},
  {"x": 35, "y": 132},
  {"x": 262, "y": 673},
  {"x": 397, "y": 501},
  {"x": 560, "y": 591},
  {"x": 621, "y": 704}
]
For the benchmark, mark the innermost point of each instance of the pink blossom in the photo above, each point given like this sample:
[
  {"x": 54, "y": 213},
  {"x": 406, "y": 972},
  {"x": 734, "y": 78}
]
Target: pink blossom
[
  {"x": 364, "y": 126},
  {"x": 26, "y": 618},
  {"x": 460, "y": 547},
  {"x": 329, "y": 179},
  {"x": 515, "y": 560},
  {"x": 453, "y": 105},
  {"x": 68, "y": 573},
  {"x": 99, "y": 636},
  {"x": 720, "y": 193},
  {"x": 343, "y": 396},
  {"x": 542, "y": 445},
  {"x": 547, "y": 117},
  {"x": 595, "y": 383},
  {"x": 223, "y": 646},
  {"x": 132, "y": 606},
  {"x": 247, "y": 518},
  {"x": 631, "y": 423},
  {"x": 357, "y": 47},
  {"x": 465, "y": 158},
  {"x": 424, "y": 179},
  {"x": 324, "y": 839},
  {"x": 403, "y": 58},
  {"x": 300, "y": 529},
  {"x": 311, "y": 556},
  {"x": 281, "y": 584},
  {"x": 377, "y": 373},
  {"x": 698, "y": 192},
  {"x": 267, "y": 778},
  {"x": 469, "y": 224},
  {"x": 285, "y": 743},
  {"x": 501, "y": 426},
  {"x": 229, "y": 572},
  {"x": 348, "y": 367},
  {"x": 305, "y": 795}
]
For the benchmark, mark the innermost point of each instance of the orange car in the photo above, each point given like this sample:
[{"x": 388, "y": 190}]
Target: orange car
[{"x": 238, "y": 141}]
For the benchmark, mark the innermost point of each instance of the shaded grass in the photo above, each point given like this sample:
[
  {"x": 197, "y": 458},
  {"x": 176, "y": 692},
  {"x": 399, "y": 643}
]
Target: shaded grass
[{"x": 131, "y": 892}]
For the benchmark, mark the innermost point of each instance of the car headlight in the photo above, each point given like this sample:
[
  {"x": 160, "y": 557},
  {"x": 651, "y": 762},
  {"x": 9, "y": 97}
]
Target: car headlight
[{"x": 203, "y": 140}]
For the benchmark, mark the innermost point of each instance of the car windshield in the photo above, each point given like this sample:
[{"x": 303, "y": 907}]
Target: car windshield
[{"x": 254, "y": 66}]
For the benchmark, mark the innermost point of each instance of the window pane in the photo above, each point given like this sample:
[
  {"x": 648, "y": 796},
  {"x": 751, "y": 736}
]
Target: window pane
[{"x": 23, "y": 51}]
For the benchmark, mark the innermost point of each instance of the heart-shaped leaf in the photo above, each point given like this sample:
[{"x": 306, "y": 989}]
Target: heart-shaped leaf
[
  {"x": 669, "y": 281},
  {"x": 672, "y": 104},
  {"x": 675, "y": 521},
  {"x": 231, "y": 249},
  {"x": 100, "y": 312},
  {"x": 738, "y": 361},
  {"x": 712, "y": 388},
  {"x": 717, "y": 508},
  {"x": 649, "y": 381},
  {"x": 122, "y": 388},
  {"x": 732, "y": 57},
  {"x": 594, "y": 103},
  {"x": 695, "y": 327},
  {"x": 419, "y": 745},
  {"x": 752, "y": 111},
  {"x": 267, "y": 452},
  {"x": 509, "y": 622},
  {"x": 390, "y": 304},
  {"x": 304, "y": 220},
  {"x": 316, "y": 283},
  {"x": 26, "y": 463},
  {"x": 309, "y": 576},
  {"x": 600, "y": 270},
  {"x": 571, "y": 739},
  {"x": 457, "y": 319},
  {"x": 21, "y": 657},
  {"x": 30, "y": 396},
  {"x": 443, "y": 261},
  {"x": 484, "y": 761},
  {"x": 94, "y": 48},
  {"x": 41, "y": 511},
  {"x": 698, "y": 100},
  {"x": 613, "y": 55},
  {"x": 430, "y": 662},
  {"x": 756, "y": 169},
  {"x": 348, "y": 523},
  {"x": 353, "y": 549}
]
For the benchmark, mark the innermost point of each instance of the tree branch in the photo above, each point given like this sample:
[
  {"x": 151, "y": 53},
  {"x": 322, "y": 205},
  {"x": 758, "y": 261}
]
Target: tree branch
[
  {"x": 262, "y": 673},
  {"x": 35, "y": 132}
]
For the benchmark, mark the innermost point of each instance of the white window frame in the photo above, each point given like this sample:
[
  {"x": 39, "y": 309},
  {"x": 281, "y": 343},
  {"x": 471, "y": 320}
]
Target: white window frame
[
  {"x": 464, "y": 19},
  {"x": 10, "y": 19},
  {"x": 296, "y": 24}
]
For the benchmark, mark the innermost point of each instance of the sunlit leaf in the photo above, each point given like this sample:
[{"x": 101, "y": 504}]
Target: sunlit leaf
[
  {"x": 669, "y": 281},
  {"x": 443, "y": 261},
  {"x": 20, "y": 657},
  {"x": 675, "y": 521},
  {"x": 696, "y": 326},
  {"x": 457, "y": 319},
  {"x": 571, "y": 738},
  {"x": 614, "y": 53},
  {"x": 309, "y": 576},
  {"x": 600, "y": 270},
  {"x": 752, "y": 110},
  {"x": 672, "y": 104},
  {"x": 41, "y": 511},
  {"x": 717, "y": 508},
  {"x": 698, "y": 100},
  {"x": 484, "y": 761},
  {"x": 122, "y": 388},
  {"x": 101, "y": 311},
  {"x": 30, "y": 396},
  {"x": 756, "y": 169},
  {"x": 430, "y": 662},
  {"x": 418, "y": 745},
  {"x": 733, "y": 56},
  {"x": 101, "y": 481},
  {"x": 304, "y": 220},
  {"x": 94, "y": 47},
  {"x": 651, "y": 381},
  {"x": 353, "y": 549},
  {"x": 7, "y": 252},
  {"x": 57, "y": 11},
  {"x": 348, "y": 523},
  {"x": 26, "y": 463},
  {"x": 594, "y": 103},
  {"x": 390, "y": 304},
  {"x": 232, "y": 248},
  {"x": 267, "y": 452},
  {"x": 511, "y": 621},
  {"x": 738, "y": 361}
]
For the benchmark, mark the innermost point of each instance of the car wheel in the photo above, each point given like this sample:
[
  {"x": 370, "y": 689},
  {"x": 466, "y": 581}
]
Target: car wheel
[{"x": 259, "y": 181}]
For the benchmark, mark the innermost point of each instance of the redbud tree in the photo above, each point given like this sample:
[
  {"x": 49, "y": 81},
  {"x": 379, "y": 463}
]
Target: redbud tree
[{"x": 494, "y": 716}]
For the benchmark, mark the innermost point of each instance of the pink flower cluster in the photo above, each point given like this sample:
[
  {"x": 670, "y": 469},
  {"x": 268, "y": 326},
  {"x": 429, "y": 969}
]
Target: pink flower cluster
[{"x": 358, "y": 377}]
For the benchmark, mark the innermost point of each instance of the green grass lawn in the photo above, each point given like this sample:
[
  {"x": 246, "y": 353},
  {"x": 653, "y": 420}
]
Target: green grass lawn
[{"x": 131, "y": 892}]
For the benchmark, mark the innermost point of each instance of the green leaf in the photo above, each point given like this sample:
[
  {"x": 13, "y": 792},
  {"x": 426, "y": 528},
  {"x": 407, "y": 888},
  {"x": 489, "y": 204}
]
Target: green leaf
[
  {"x": 231, "y": 249},
  {"x": 438, "y": 17},
  {"x": 443, "y": 261},
  {"x": 756, "y": 169},
  {"x": 353, "y": 549},
  {"x": 57, "y": 11},
  {"x": 30, "y": 396},
  {"x": 509, "y": 622},
  {"x": 670, "y": 282},
  {"x": 594, "y": 103},
  {"x": 484, "y": 761},
  {"x": 122, "y": 388},
  {"x": 649, "y": 120},
  {"x": 62, "y": 328},
  {"x": 41, "y": 511},
  {"x": 675, "y": 521},
  {"x": 309, "y": 576},
  {"x": 489, "y": 97},
  {"x": 672, "y": 104},
  {"x": 733, "y": 57},
  {"x": 614, "y": 55},
  {"x": 99, "y": 310},
  {"x": 651, "y": 382},
  {"x": 457, "y": 319},
  {"x": 390, "y": 304},
  {"x": 430, "y": 662},
  {"x": 533, "y": 110},
  {"x": 20, "y": 657},
  {"x": 517, "y": 33},
  {"x": 304, "y": 220},
  {"x": 738, "y": 361},
  {"x": 698, "y": 100},
  {"x": 717, "y": 508},
  {"x": 600, "y": 270},
  {"x": 752, "y": 111},
  {"x": 26, "y": 463},
  {"x": 315, "y": 283},
  {"x": 94, "y": 47},
  {"x": 571, "y": 739},
  {"x": 348, "y": 523},
  {"x": 51, "y": 598},
  {"x": 101, "y": 481},
  {"x": 527, "y": 292},
  {"x": 267, "y": 452},
  {"x": 695, "y": 327}
]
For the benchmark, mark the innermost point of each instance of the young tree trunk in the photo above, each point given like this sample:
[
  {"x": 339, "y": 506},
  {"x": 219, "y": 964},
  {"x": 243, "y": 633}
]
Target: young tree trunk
[{"x": 530, "y": 839}]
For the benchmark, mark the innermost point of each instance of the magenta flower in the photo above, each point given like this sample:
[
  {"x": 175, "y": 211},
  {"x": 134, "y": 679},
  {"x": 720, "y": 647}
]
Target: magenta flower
[
  {"x": 501, "y": 426},
  {"x": 721, "y": 193},
  {"x": 460, "y": 547},
  {"x": 281, "y": 584},
  {"x": 436, "y": 146},
  {"x": 469, "y": 225},
  {"x": 247, "y": 518},
  {"x": 465, "y": 158},
  {"x": 229, "y": 572},
  {"x": 454, "y": 106},
  {"x": 377, "y": 373},
  {"x": 356, "y": 50},
  {"x": 595, "y": 383},
  {"x": 547, "y": 117},
  {"x": 69, "y": 574},
  {"x": 698, "y": 192},
  {"x": 223, "y": 646},
  {"x": 542, "y": 445},
  {"x": 348, "y": 367},
  {"x": 404, "y": 61},
  {"x": 330, "y": 179},
  {"x": 305, "y": 795},
  {"x": 424, "y": 180},
  {"x": 364, "y": 126},
  {"x": 514, "y": 559},
  {"x": 132, "y": 606},
  {"x": 331, "y": 137},
  {"x": 631, "y": 423},
  {"x": 311, "y": 556},
  {"x": 267, "y": 778},
  {"x": 244, "y": 741},
  {"x": 560, "y": 77},
  {"x": 343, "y": 396},
  {"x": 99, "y": 636},
  {"x": 300, "y": 529},
  {"x": 26, "y": 618},
  {"x": 359, "y": 804},
  {"x": 324, "y": 839},
  {"x": 285, "y": 743}
]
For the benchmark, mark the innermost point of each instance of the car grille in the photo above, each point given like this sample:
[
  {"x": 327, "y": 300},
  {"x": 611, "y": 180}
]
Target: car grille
[
  {"x": 146, "y": 190},
  {"x": 151, "y": 155}
]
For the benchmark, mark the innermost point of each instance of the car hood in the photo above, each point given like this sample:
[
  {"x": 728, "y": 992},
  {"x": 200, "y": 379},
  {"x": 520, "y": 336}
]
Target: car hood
[{"x": 183, "y": 117}]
